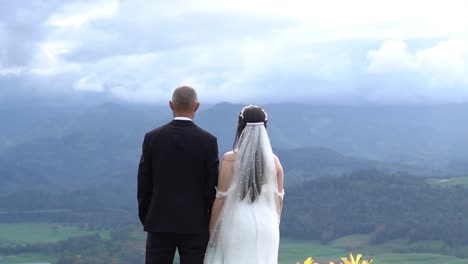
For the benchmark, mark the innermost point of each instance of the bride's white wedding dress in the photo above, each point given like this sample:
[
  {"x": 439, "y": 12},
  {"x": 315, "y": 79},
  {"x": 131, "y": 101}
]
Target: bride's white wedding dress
[
  {"x": 253, "y": 233},
  {"x": 248, "y": 231}
]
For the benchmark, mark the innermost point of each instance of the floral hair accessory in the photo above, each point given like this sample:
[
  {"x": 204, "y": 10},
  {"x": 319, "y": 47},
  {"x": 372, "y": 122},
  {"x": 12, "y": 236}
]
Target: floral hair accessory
[{"x": 252, "y": 106}]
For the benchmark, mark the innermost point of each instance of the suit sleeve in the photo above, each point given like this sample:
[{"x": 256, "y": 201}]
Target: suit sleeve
[
  {"x": 212, "y": 176},
  {"x": 144, "y": 180}
]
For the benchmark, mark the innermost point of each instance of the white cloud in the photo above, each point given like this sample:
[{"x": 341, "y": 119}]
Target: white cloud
[
  {"x": 139, "y": 50},
  {"x": 11, "y": 71},
  {"x": 444, "y": 63},
  {"x": 77, "y": 14},
  {"x": 391, "y": 56},
  {"x": 48, "y": 61},
  {"x": 438, "y": 73},
  {"x": 88, "y": 84}
]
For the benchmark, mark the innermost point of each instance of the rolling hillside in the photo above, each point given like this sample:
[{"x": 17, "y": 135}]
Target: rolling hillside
[{"x": 94, "y": 146}]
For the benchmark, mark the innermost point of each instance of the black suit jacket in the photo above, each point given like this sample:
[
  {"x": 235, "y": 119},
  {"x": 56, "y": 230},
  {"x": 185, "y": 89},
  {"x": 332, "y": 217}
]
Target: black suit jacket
[{"x": 177, "y": 174}]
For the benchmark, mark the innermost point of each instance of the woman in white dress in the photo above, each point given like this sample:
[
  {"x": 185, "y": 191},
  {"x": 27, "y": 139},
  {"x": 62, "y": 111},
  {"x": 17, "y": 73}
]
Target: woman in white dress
[{"x": 244, "y": 224}]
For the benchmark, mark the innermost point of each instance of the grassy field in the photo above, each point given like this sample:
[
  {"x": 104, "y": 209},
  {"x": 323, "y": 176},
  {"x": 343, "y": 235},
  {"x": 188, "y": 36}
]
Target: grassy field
[
  {"x": 292, "y": 251},
  {"x": 30, "y": 233},
  {"x": 28, "y": 258},
  {"x": 22, "y": 233}
]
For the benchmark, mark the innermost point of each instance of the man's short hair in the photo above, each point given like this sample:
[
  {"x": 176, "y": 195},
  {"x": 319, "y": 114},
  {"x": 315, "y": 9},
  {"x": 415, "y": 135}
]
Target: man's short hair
[{"x": 184, "y": 98}]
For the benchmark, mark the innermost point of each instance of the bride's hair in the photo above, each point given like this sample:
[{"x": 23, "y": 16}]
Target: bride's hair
[
  {"x": 252, "y": 186},
  {"x": 250, "y": 114}
]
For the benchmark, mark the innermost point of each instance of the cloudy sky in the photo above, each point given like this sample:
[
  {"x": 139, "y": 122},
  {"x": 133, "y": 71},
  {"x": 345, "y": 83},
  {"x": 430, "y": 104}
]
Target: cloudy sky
[{"x": 360, "y": 51}]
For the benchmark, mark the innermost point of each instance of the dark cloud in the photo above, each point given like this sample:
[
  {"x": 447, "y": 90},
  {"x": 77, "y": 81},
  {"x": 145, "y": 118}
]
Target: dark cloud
[
  {"x": 120, "y": 37},
  {"x": 21, "y": 28},
  {"x": 30, "y": 90}
]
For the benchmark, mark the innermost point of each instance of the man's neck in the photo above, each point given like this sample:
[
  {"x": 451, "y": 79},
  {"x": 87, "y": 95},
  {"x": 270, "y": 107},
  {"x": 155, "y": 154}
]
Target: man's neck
[{"x": 184, "y": 115}]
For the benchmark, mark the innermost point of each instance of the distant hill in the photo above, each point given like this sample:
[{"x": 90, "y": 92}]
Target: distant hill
[
  {"x": 314, "y": 162},
  {"x": 60, "y": 148}
]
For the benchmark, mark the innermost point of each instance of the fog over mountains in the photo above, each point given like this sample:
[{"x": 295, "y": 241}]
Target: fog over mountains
[{"x": 62, "y": 148}]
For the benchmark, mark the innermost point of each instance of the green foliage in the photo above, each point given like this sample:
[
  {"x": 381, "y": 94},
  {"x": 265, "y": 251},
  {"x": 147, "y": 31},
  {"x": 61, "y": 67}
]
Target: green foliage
[
  {"x": 89, "y": 249},
  {"x": 92, "y": 208},
  {"x": 28, "y": 258},
  {"x": 30, "y": 233},
  {"x": 417, "y": 258},
  {"x": 387, "y": 206},
  {"x": 292, "y": 251}
]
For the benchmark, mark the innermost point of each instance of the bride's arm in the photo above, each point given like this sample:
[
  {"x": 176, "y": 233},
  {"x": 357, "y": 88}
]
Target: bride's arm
[
  {"x": 280, "y": 182},
  {"x": 224, "y": 181}
]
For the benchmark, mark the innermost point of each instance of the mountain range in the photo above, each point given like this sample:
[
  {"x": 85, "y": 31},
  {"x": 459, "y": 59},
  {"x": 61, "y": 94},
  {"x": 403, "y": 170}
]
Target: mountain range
[{"x": 67, "y": 148}]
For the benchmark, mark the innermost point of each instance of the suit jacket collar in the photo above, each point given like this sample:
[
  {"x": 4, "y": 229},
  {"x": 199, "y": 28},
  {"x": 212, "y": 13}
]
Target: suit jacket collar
[{"x": 182, "y": 123}]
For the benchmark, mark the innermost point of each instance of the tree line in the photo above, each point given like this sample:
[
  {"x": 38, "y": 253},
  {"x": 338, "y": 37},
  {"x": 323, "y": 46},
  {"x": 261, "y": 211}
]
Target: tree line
[
  {"x": 386, "y": 206},
  {"x": 90, "y": 249}
]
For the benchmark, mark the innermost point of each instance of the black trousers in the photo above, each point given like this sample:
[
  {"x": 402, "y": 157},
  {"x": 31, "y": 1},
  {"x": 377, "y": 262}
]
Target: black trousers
[{"x": 161, "y": 247}]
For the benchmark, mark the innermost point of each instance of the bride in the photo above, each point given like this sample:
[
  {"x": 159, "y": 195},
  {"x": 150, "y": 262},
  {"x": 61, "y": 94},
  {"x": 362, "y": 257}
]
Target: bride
[{"x": 244, "y": 224}]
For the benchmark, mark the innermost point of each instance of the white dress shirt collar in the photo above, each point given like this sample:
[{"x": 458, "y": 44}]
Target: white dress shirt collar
[{"x": 183, "y": 118}]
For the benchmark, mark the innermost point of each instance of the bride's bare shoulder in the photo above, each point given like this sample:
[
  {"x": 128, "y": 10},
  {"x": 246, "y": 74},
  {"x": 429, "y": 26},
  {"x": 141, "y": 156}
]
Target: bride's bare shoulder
[
  {"x": 277, "y": 161},
  {"x": 276, "y": 158},
  {"x": 229, "y": 156}
]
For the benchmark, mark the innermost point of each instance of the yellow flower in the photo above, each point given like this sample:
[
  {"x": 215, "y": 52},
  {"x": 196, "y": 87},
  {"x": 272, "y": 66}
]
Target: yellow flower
[
  {"x": 351, "y": 260},
  {"x": 357, "y": 260}
]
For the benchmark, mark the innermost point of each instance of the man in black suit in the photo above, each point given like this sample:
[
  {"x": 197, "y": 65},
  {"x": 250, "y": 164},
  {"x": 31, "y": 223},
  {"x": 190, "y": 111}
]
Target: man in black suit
[{"x": 177, "y": 175}]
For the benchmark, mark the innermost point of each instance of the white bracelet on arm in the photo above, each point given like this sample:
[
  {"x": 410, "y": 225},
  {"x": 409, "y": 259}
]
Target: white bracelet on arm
[
  {"x": 220, "y": 194},
  {"x": 280, "y": 194}
]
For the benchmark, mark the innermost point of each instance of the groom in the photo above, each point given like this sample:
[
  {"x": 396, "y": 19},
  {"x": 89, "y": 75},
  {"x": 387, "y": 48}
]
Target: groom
[{"x": 177, "y": 174}]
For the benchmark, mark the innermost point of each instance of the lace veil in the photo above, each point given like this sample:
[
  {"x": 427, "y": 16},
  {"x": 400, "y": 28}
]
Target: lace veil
[{"x": 253, "y": 192}]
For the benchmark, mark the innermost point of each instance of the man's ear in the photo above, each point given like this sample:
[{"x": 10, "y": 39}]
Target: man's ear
[
  {"x": 197, "y": 105},
  {"x": 171, "y": 105}
]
